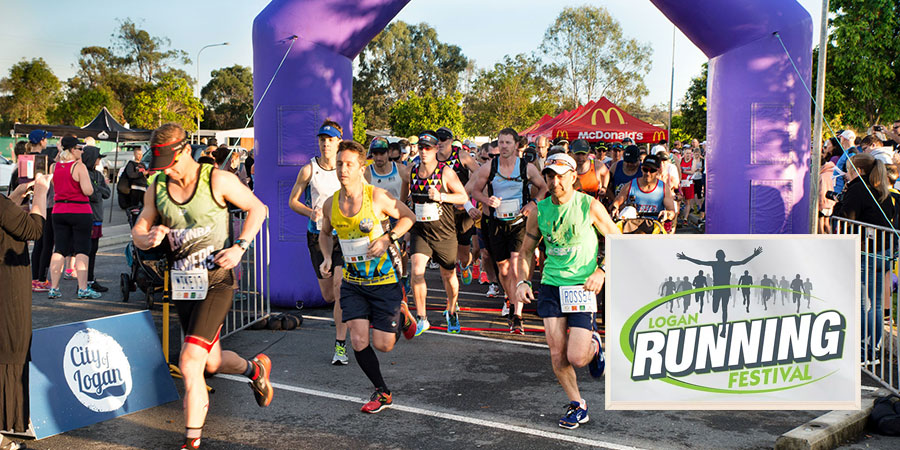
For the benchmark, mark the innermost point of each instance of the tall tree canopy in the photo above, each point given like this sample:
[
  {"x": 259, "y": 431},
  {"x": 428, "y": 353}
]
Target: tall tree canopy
[
  {"x": 29, "y": 91},
  {"x": 404, "y": 59},
  {"x": 693, "y": 107},
  {"x": 228, "y": 98},
  {"x": 169, "y": 100},
  {"x": 415, "y": 114},
  {"x": 863, "y": 74},
  {"x": 514, "y": 93},
  {"x": 595, "y": 57}
]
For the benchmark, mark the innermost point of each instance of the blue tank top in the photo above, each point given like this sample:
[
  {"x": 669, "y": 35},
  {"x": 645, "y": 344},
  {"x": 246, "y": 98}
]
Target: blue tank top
[
  {"x": 620, "y": 177},
  {"x": 650, "y": 202},
  {"x": 508, "y": 189}
]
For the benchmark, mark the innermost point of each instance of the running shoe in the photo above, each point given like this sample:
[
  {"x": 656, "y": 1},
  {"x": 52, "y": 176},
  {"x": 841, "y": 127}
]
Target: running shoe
[
  {"x": 97, "y": 286},
  {"x": 191, "y": 443},
  {"x": 340, "y": 355},
  {"x": 262, "y": 388},
  {"x": 37, "y": 286},
  {"x": 53, "y": 293},
  {"x": 409, "y": 321},
  {"x": 505, "y": 311},
  {"x": 517, "y": 327},
  {"x": 476, "y": 271},
  {"x": 483, "y": 279},
  {"x": 422, "y": 325},
  {"x": 89, "y": 293},
  {"x": 466, "y": 275},
  {"x": 598, "y": 363},
  {"x": 70, "y": 274},
  {"x": 379, "y": 401},
  {"x": 433, "y": 265},
  {"x": 453, "y": 323},
  {"x": 575, "y": 415},
  {"x": 493, "y": 290}
]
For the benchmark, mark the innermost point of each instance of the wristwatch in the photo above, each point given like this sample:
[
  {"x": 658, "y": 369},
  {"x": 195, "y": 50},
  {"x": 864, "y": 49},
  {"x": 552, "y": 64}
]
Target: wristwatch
[{"x": 244, "y": 245}]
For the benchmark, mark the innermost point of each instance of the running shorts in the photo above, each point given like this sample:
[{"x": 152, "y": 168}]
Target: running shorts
[
  {"x": 548, "y": 306},
  {"x": 380, "y": 304},
  {"x": 502, "y": 238},
  {"x": 316, "y": 256},
  {"x": 441, "y": 252},
  {"x": 465, "y": 228},
  {"x": 687, "y": 192},
  {"x": 73, "y": 233},
  {"x": 201, "y": 320}
]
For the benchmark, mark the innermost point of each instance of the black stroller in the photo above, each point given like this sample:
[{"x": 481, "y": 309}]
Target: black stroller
[{"x": 147, "y": 266}]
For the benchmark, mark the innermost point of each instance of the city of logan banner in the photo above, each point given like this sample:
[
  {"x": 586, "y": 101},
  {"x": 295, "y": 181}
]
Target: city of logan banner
[{"x": 732, "y": 322}]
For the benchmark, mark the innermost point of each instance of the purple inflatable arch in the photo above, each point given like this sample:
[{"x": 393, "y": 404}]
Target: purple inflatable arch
[{"x": 758, "y": 126}]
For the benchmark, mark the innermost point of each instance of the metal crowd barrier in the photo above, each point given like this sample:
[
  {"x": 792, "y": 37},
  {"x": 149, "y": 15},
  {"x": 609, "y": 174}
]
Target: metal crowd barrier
[
  {"x": 880, "y": 359},
  {"x": 251, "y": 299}
]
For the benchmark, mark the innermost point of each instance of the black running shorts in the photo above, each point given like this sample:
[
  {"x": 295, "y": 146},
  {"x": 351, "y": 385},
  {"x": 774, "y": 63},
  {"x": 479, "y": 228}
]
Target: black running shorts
[
  {"x": 442, "y": 252},
  {"x": 72, "y": 233},
  {"x": 503, "y": 237},
  {"x": 548, "y": 306},
  {"x": 465, "y": 228},
  {"x": 380, "y": 304},
  {"x": 316, "y": 256},
  {"x": 202, "y": 319}
]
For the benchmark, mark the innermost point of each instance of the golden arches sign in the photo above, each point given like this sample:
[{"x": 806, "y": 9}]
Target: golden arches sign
[
  {"x": 606, "y": 115},
  {"x": 658, "y": 136},
  {"x": 563, "y": 133}
]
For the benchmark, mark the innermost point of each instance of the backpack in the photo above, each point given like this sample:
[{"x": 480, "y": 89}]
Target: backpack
[
  {"x": 885, "y": 415},
  {"x": 523, "y": 177}
]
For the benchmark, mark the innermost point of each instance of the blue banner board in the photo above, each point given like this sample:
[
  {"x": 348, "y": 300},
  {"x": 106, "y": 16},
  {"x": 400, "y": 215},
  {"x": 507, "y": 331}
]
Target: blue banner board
[{"x": 86, "y": 372}]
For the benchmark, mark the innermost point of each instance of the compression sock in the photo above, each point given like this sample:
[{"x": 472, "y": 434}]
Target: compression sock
[
  {"x": 192, "y": 438},
  {"x": 252, "y": 370},
  {"x": 368, "y": 361}
]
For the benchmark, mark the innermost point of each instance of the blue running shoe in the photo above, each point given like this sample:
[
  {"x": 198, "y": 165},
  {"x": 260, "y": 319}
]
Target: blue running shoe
[
  {"x": 54, "y": 293},
  {"x": 453, "y": 323},
  {"x": 422, "y": 325},
  {"x": 575, "y": 415},
  {"x": 598, "y": 363},
  {"x": 88, "y": 293}
]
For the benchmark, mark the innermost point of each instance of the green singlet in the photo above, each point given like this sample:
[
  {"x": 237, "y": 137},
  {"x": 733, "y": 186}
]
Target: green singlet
[{"x": 570, "y": 239}]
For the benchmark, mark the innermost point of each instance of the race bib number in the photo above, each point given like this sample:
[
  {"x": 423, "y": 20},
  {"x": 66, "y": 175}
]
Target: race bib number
[
  {"x": 354, "y": 250},
  {"x": 509, "y": 209},
  {"x": 686, "y": 183},
  {"x": 189, "y": 284},
  {"x": 575, "y": 299},
  {"x": 427, "y": 212}
]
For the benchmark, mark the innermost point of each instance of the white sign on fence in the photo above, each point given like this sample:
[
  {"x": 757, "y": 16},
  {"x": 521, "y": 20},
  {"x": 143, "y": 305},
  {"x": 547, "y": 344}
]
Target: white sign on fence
[{"x": 733, "y": 322}]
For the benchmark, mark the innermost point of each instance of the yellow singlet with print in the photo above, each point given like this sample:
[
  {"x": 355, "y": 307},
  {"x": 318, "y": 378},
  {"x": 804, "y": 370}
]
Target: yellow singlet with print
[{"x": 355, "y": 233}]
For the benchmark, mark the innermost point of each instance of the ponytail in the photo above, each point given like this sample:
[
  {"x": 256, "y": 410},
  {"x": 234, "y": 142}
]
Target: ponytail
[{"x": 878, "y": 180}]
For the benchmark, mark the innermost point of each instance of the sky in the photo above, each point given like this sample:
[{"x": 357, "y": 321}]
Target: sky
[{"x": 484, "y": 30}]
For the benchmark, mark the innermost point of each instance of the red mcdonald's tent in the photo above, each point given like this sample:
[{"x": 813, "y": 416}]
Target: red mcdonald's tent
[{"x": 606, "y": 122}]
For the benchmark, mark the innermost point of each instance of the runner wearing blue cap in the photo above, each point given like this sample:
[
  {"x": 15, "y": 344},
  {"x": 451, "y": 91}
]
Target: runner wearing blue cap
[{"x": 316, "y": 182}]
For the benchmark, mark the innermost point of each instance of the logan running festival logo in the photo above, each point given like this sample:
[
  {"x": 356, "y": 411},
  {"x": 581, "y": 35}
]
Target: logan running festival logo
[{"x": 97, "y": 371}]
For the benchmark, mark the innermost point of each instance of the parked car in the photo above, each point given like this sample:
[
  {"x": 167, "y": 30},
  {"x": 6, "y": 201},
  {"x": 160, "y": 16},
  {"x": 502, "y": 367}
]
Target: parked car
[{"x": 7, "y": 168}]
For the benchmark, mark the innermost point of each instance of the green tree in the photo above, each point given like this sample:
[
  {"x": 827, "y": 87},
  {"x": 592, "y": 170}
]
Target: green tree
[
  {"x": 228, "y": 98},
  {"x": 82, "y": 104},
  {"x": 146, "y": 56},
  {"x": 415, "y": 114},
  {"x": 863, "y": 76},
  {"x": 693, "y": 107},
  {"x": 515, "y": 93},
  {"x": 595, "y": 58},
  {"x": 359, "y": 124},
  {"x": 169, "y": 100},
  {"x": 31, "y": 89},
  {"x": 404, "y": 59}
]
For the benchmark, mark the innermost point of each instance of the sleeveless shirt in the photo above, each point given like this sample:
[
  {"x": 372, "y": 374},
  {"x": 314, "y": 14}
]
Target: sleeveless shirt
[
  {"x": 361, "y": 229},
  {"x": 322, "y": 184},
  {"x": 570, "y": 239}
]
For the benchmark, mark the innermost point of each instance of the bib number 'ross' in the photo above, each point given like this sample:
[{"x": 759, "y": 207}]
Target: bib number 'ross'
[{"x": 575, "y": 299}]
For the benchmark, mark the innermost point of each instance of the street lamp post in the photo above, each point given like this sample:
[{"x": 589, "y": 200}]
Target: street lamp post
[{"x": 198, "y": 81}]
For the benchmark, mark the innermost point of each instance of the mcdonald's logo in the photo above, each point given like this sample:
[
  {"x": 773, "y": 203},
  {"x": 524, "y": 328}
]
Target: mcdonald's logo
[
  {"x": 606, "y": 114},
  {"x": 563, "y": 133},
  {"x": 658, "y": 136}
]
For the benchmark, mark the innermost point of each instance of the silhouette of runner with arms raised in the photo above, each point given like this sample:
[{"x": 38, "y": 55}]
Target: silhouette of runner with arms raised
[
  {"x": 746, "y": 280},
  {"x": 668, "y": 288},
  {"x": 721, "y": 270},
  {"x": 797, "y": 288}
]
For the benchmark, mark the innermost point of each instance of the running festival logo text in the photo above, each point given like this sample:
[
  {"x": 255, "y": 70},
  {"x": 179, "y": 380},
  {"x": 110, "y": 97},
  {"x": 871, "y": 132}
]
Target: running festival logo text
[
  {"x": 733, "y": 322},
  {"x": 97, "y": 370}
]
